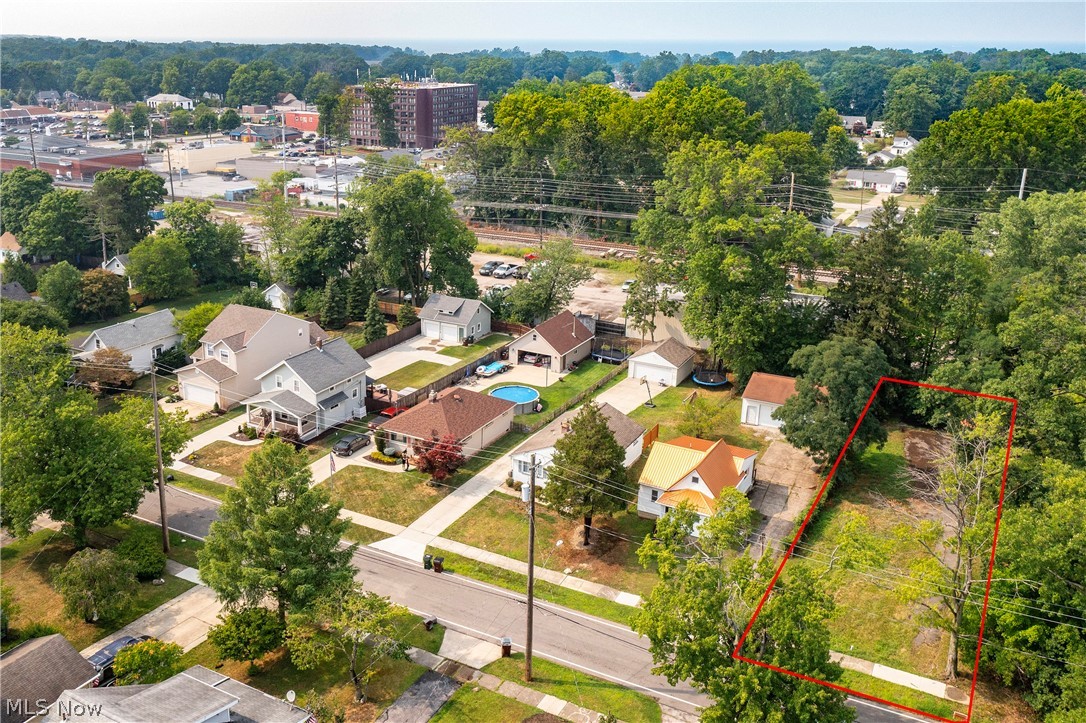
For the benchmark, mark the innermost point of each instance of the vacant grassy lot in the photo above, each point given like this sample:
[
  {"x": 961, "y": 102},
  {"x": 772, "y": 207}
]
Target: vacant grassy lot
[
  {"x": 277, "y": 674},
  {"x": 26, "y": 566},
  {"x": 671, "y": 403},
  {"x": 355, "y": 333},
  {"x": 399, "y": 497},
  {"x": 223, "y": 457},
  {"x": 218, "y": 296},
  {"x": 499, "y": 576},
  {"x": 499, "y": 524},
  {"x": 415, "y": 375},
  {"x": 586, "y": 690},
  {"x": 473, "y": 351},
  {"x": 471, "y": 704}
]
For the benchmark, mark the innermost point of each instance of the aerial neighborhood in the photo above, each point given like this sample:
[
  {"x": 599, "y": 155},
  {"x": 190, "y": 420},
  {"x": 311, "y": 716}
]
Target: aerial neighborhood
[{"x": 347, "y": 382}]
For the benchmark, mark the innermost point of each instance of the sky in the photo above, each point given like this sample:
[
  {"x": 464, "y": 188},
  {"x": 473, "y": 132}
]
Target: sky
[{"x": 629, "y": 25}]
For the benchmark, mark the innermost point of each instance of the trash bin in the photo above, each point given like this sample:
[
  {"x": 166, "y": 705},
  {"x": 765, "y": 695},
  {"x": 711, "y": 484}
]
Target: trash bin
[
  {"x": 427, "y": 561},
  {"x": 430, "y": 623},
  {"x": 507, "y": 647},
  {"x": 439, "y": 564}
]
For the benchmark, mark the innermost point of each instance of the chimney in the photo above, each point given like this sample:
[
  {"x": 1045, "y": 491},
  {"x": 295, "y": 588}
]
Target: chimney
[
  {"x": 433, "y": 396},
  {"x": 320, "y": 344},
  {"x": 458, "y": 398}
]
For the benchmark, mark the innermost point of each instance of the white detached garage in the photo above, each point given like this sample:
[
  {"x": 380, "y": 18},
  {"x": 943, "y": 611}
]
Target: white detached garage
[
  {"x": 667, "y": 362},
  {"x": 452, "y": 319},
  {"x": 765, "y": 393}
]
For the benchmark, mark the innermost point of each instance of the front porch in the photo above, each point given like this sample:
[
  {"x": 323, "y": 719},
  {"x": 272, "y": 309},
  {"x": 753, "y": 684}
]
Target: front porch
[{"x": 269, "y": 420}]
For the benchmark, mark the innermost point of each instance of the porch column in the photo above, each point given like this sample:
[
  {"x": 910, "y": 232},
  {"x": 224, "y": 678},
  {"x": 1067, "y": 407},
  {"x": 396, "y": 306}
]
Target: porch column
[{"x": 298, "y": 425}]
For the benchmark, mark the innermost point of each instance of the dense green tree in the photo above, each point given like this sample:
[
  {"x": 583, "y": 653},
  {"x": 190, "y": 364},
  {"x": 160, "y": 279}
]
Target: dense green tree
[
  {"x": 650, "y": 295},
  {"x": 102, "y": 295},
  {"x": 215, "y": 77},
  {"x": 214, "y": 249},
  {"x": 824, "y": 120},
  {"x": 254, "y": 550},
  {"x": 60, "y": 287},
  {"x": 551, "y": 282},
  {"x": 20, "y": 191},
  {"x": 361, "y": 627},
  {"x": 147, "y": 662},
  {"x": 15, "y": 270},
  {"x": 322, "y": 83},
  {"x": 836, "y": 378},
  {"x": 117, "y": 123},
  {"x": 229, "y": 120},
  {"x": 375, "y": 327},
  {"x": 695, "y": 616},
  {"x": 180, "y": 120},
  {"x": 247, "y": 634},
  {"x": 334, "y": 308},
  {"x": 321, "y": 248},
  {"x": 205, "y": 120},
  {"x": 491, "y": 74},
  {"x": 992, "y": 90},
  {"x": 587, "y": 476},
  {"x": 121, "y": 200},
  {"x": 96, "y": 585},
  {"x": 58, "y": 225},
  {"x": 840, "y": 150},
  {"x": 406, "y": 316},
  {"x": 547, "y": 65},
  {"x": 160, "y": 268},
  {"x": 193, "y": 324},
  {"x": 179, "y": 74},
  {"x": 33, "y": 315},
  {"x": 255, "y": 82},
  {"x": 806, "y": 170},
  {"x": 360, "y": 286}
]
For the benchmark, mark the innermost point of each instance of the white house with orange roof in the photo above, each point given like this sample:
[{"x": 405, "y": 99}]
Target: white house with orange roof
[{"x": 692, "y": 470}]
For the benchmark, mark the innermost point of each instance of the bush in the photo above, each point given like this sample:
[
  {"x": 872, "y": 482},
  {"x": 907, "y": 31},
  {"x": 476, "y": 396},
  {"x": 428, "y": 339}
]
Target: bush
[
  {"x": 171, "y": 359},
  {"x": 406, "y": 316},
  {"x": 147, "y": 663},
  {"x": 379, "y": 458},
  {"x": 246, "y": 635},
  {"x": 95, "y": 584},
  {"x": 143, "y": 548}
]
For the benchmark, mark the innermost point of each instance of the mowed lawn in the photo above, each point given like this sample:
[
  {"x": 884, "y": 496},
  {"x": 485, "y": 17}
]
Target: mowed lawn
[
  {"x": 26, "y": 564},
  {"x": 471, "y": 704},
  {"x": 223, "y": 457},
  {"x": 500, "y": 524},
  {"x": 277, "y": 674},
  {"x": 479, "y": 348},
  {"x": 564, "y": 388},
  {"x": 414, "y": 375},
  {"x": 399, "y": 497},
  {"x": 671, "y": 404}
]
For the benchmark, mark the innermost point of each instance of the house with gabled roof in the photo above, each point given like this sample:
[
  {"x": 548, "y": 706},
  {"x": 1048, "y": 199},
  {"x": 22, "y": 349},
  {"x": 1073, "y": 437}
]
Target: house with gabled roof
[
  {"x": 14, "y": 291},
  {"x": 311, "y": 391},
  {"x": 628, "y": 434},
  {"x": 37, "y": 672},
  {"x": 241, "y": 343},
  {"x": 280, "y": 295},
  {"x": 667, "y": 362},
  {"x": 692, "y": 470},
  {"x": 10, "y": 248},
  {"x": 475, "y": 420},
  {"x": 556, "y": 343},
  {"x": 452, "y": 319},
  {"x": 142, "y": 338},
  {"x": 118, "y": 265}
]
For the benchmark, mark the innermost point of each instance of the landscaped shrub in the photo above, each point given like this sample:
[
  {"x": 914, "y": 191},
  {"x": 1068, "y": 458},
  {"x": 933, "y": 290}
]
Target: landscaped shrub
[
  {"x": 143, "y": 548},
  {"x": 379, "y": 458}
]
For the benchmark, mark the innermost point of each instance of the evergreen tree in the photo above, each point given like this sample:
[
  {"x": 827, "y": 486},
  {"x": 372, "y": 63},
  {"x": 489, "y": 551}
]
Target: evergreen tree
[
  {"x": 256, "y": 549},
  {"x": 588, "y": 474},
  {"x": 360, "y": 287},
  {"x": 375, "y": 327},
  {"x": 334, "y": 309},
  {"x": 406, "y": 316},
  {"x": 15, "y": 269}
]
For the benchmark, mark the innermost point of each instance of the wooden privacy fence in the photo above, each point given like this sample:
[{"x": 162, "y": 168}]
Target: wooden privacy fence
[
  {"x": 396, "y": 337},
  {"x": 541, "y": 420},
  {"x": 509, "y": 327}
]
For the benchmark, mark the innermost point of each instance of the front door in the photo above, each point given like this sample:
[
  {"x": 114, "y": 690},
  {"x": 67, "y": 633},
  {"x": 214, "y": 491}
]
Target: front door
[{"x": 752, "y": 414}]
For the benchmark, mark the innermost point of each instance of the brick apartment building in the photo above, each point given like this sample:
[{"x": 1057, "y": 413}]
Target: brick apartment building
[{"x": 423, "y": 110}]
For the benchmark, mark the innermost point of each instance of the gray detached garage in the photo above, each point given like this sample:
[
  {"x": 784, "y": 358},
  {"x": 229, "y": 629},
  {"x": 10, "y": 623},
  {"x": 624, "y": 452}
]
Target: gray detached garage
[
  {"x": 452, "y": 319},
  {"x": 666, "y": 362}
]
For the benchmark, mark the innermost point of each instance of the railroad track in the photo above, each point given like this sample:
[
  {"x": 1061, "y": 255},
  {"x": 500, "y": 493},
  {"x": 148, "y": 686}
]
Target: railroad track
[{"x": 531, "y": 239}]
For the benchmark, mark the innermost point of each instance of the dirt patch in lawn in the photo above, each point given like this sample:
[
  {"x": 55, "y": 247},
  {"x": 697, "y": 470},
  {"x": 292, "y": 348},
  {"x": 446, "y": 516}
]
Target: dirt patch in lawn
[
  {"x": 924, "y": 448},
  {"x": 223, "y": 457}
]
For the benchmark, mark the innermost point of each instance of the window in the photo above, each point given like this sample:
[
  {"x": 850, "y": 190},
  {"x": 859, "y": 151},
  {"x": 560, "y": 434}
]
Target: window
[
  {"x": 334, "y": 406},
  {"x": 278, "y": 381},
  {"x": 209, "y": 350},
  {"x": 525, "y": 468},
  {"x": 354, "y": 392},
  {"x": 97, "y": 343},
  {"x": 695, "y": 479},
  {"x": 297, "y": 386},
  {"x": 156, "y": 352},
  {"x": 654, "y": 495},
  {"x": 224, "y": 355}
]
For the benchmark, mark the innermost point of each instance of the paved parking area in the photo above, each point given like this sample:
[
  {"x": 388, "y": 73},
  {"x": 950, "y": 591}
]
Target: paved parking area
[{"x": 785, "y": 486}]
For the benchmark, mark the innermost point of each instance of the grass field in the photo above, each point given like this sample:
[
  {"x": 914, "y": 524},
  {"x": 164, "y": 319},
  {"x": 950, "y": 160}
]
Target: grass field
[
  {"x": 416, "y": 374},
  {"x": 499, "y": 524},
  {"x": 579, "y": 688},
  {"x": 26, "y": 564},
  {"x": 670, "y": 407},
  {"x": 473, "y": 351},
  {"x": 201, "y": 426},
  {"x": 471, "y": 704},
  {"x": 223, "y": 457},
  {"x": 399, "y": 497},
  {"x": 364, "y": 535},
  {"x": 585, "y": 603},
  {"x": 183, "y": 548},
  {"x": 900, "y": 694},
  {"x": 198, "y": 485}
]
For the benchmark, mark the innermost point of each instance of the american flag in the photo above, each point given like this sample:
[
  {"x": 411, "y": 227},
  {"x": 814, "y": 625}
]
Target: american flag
[{"x": 332, "y": 462}]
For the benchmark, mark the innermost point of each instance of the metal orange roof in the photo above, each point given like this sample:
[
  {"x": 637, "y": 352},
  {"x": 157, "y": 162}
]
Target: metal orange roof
[
  {"x": 700, "y": 502},
  {"x": 716, "y": 464}
]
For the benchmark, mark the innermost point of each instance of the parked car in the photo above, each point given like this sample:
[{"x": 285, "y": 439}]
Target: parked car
[
  {"x": 627, "y": 285},
  {"x": 391, "y": 412},
  {"x": 350, "y": 444},
  {"x": 385, "y": 291},
  {"x": 531, "y": 256},
  {"x": 505, "y": 271},
  {"x": 488, "y": 268},
  {"x": 501, "y": 288},
  {"x": 521, "y": 272},
  {"x": 102, "y": 660}
]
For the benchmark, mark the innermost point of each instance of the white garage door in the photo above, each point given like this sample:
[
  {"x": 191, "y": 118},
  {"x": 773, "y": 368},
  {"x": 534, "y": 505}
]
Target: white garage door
[
  {"x": 200, "y": 395},
  {"x": 653, "y": 372},
  {"x": 450, "y": 332},
  {"x": 430, "y": 329}
]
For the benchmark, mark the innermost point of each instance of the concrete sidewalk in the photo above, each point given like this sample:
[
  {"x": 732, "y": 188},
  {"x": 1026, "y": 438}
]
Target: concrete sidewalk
[{"x": 936, "y": 688}]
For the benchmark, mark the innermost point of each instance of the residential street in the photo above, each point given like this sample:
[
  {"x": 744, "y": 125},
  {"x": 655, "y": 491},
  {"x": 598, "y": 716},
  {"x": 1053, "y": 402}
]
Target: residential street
[{"x": 562, "y": 635}]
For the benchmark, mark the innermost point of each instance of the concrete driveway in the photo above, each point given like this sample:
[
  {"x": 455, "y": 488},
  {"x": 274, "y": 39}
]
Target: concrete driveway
[
  {"x": 415, "y": 349},
  {"x": 786, "y": 483},
  {"x": 626, "y": 396}
]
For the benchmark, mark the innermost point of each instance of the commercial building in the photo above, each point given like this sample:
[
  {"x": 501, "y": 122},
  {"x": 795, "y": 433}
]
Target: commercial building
[
  {"x": 422, "y": 111},
  {"x": 66, "y": 159},
  {"x": 305, "y": 121}
]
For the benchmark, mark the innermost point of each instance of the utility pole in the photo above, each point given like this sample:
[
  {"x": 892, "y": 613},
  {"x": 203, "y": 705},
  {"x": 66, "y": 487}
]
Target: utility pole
[
  {"x": 33, "y": 153},
  {"x": 169, "y": 164},
  {"x": 283, "y": 129},
  {"x": 1022, "y": 185},
  {"x": 541, "y": 210},
  {"x": 863, "y": 182},
  {"x": 158, "y": 455},
  {"x": 531, "y": 573},
  {"x": 791, "y": 190}
]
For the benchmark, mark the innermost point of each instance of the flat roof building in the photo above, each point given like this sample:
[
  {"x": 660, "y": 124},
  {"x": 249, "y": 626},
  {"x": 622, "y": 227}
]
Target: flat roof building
[{"x": 422, "y": 111}]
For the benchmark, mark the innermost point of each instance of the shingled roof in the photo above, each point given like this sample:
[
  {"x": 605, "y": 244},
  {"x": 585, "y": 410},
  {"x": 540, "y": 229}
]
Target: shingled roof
[
  {"x": 771, "y": 388},
  {"x": 563, "y": 332},
  {"x": 137, "y": 332},
  {"x": 439, "y": 307},
  {"x": 326, "y": 364},
  {"x": 626, "y": 430},
  {"x": 41, "y": 669},
  {"x": 459, "y": 412},
  {"x": 671, "y": 350}
]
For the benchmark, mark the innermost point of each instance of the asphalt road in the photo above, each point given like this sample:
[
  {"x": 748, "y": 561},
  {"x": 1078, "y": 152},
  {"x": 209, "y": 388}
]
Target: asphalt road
[{"x": 565, "y": 636}]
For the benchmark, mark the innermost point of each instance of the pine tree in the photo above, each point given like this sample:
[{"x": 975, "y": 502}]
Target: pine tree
[
  {"x": 375, "y": 321},
  {"x": 406, "y": 316},
  {"x": 588, "y": 474},
  {"x": 359, "y": 289},
  {"x": 334, "y": 309}
]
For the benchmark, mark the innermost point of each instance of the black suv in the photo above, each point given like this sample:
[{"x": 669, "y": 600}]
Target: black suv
[
  {"x": 350, "y": 444},
  {"x": 488, "y": 268},
  {"x": 103, "y": 659}
]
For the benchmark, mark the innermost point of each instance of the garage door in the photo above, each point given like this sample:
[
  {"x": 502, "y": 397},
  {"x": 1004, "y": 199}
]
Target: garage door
[
  {"x": 450, "y": 332},
  {"x": 430, "y": 329},
  {"x": 654, "y": 373},
  {"x": 200, "y": 395}
]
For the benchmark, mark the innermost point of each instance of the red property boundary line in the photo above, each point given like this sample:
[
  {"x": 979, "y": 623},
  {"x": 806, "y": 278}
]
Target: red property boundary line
[{"x": 991, "y": 560}]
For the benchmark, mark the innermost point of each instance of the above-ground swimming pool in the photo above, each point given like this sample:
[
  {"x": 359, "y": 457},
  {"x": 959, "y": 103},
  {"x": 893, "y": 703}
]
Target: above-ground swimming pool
[{"x": 525, "y": 398}]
